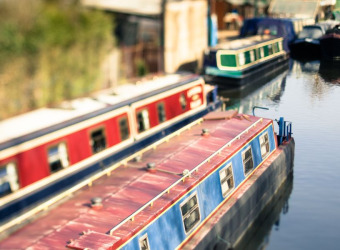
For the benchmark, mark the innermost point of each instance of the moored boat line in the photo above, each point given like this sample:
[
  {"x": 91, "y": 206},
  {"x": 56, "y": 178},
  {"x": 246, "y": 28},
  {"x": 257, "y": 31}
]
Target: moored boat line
[{"x": 172, "y": 188}]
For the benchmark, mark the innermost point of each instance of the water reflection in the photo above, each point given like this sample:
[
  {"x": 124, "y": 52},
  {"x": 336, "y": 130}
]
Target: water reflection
[
  {"x": 308, "y": 96},
  {"x": 257, "y": 236},
  {"x": 317, "y": 73},
  {"x": 245, "y": 99},
  {"x": 307, "y": 66},
  {"x": 330, "y": 72}
]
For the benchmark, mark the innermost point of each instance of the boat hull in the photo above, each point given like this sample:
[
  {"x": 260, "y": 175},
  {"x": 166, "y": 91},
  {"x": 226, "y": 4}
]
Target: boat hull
[
  {"x": 302, "y": 49},
  {"x": 330, "y": 47},
  {"x": 249, "y": 76},
  {"x": 229, "y": 222}
]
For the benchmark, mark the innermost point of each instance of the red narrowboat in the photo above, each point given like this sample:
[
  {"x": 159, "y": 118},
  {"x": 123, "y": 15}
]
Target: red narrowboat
[{"x": 52, "y": 149}]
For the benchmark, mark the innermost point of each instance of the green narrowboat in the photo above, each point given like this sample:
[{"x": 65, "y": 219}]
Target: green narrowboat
[{"x": 241, "y": 61}]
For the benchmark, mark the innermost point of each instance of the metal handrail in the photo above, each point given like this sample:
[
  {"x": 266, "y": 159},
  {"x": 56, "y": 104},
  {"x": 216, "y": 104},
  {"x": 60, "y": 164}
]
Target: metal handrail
[
  {"x": 187, "y": 174},
  {"x": 288, "y": 129}
]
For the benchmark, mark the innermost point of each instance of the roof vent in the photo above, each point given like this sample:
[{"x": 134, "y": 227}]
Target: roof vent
[
  {"x": 151, "y": 167},
  {"x": 205, "y": 132},
  {"x": 96, "y": 203}
]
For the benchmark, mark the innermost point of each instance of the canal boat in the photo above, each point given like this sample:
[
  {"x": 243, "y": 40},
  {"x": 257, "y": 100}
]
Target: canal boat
[
  {"x": 49, "y": 150},
  {"x": 243, "y": 61},
  {"x": 307, "y": 43},
  {"x": 288, "y": 28},
  {"x": 160, "y": 198},
  {"x": 330, "y": 44}
]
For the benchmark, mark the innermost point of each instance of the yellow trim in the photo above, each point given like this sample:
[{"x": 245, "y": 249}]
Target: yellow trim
[
  {"x": 237, "y": 52},
  {"x": 225, "y": 199}
]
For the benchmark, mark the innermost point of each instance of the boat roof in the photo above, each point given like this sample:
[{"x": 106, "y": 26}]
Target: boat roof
[
  {"x": 324, "y": 26},
  {"x": 285, "y": 26},
  {"x": 130, "y": 189},
  {"x": 242, "y": 43},
  {"x": 45, "y": 120}
]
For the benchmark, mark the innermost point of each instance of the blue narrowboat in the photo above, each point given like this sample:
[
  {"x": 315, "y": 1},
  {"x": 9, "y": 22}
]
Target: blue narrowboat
[
  {"x": 288, "y": 28},
  {"x": 162, "y": 197}
]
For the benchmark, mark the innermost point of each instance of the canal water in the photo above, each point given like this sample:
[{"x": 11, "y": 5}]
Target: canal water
[{"x": 306, "y": 213}]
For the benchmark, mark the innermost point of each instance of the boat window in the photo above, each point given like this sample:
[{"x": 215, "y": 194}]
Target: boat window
[
  {"x": 261, "y": 52},
  {"x": 143, "y": 120},
  {"x": 273, "y": 30},
  {"x": 276, "y": 47},
  {"x": 247, "y": 57},
  {"x": 124, "y": 128},
  {"x": 98, "y": 140},
  {"x": 161, "y": 112},
  {"x": 241, "y": 59},
  {"x": 264, "y": 143},
  {"x": 228, "y": 60},
  {"x": 190, "y": 212},
  {"x": 183, "y": 101},
  {"x": 144, "y": 242},
  {"x": 9, "y": 181},
  {"x": 265, "y": 29},
  {"x": 310, "y": 32},
  {"x": 247, "y": 158},
  {"x": 270, "y": 49},
  {"x": 58, "y": 157},
  {"x": 252, "y": 55},
  {"x": 227, "y": 179}
]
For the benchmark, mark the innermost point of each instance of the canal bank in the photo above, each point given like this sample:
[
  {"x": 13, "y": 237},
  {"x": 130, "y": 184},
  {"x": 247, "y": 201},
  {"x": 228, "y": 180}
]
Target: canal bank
[{"x": 227, "y": 226}]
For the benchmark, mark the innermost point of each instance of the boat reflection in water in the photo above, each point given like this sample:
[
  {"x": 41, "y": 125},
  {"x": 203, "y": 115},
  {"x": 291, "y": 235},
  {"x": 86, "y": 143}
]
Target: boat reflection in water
[
  {"x": 330, "y": 72},
  {"x": 257, "y": 236},
  {"x": 255, "y": 95},
  {"x": 309, "y": 67}
]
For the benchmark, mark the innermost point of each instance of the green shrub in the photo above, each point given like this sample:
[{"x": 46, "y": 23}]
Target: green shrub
[{"x": 50, "y": 51}]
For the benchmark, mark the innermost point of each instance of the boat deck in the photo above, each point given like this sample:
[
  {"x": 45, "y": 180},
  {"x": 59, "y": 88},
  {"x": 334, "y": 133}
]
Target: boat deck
[
  {"x": 242, "y": 43},
  {"x": 132, "y": 195}
]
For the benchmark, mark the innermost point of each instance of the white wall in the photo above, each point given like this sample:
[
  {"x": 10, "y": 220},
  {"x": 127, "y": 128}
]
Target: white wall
[{"x": 186, "y": 33}]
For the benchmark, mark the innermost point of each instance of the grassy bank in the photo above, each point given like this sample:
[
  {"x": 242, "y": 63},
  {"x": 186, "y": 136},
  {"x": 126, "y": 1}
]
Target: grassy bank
[{"x": 50, "y": 50}]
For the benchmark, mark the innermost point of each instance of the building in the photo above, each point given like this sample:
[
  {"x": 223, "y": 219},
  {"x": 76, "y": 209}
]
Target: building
[{"x": 157, "y": 35}]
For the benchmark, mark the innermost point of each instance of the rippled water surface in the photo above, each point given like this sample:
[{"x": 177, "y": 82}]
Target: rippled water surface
[{"x": 308, "y": 94}]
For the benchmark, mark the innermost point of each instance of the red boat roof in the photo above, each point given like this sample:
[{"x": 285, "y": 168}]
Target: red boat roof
[{"x": 130, "y": 187}]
